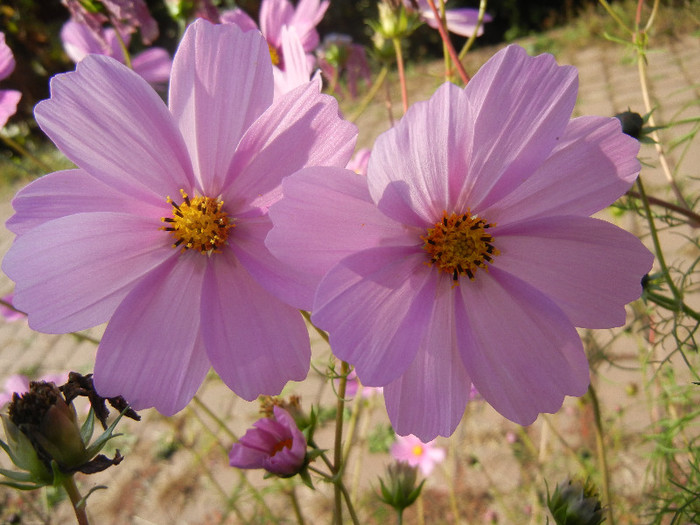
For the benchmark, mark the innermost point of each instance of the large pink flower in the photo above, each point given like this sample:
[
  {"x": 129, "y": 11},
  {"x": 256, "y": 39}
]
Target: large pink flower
[
  {"x": 161, "y": 229},
  {"x": 467, "y": 254},
  {"x": 9, "y": 98}
]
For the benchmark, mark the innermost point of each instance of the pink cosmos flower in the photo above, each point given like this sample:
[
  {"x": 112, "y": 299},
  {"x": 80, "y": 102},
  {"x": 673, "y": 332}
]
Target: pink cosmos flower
[
  {"x": 161, "y": 229},
  {"x": 461, "y": 21},
  {"x": 274, "y": 444},
  {"x": 467, "y": 254},
  {"x": 79, "y": 41},
  {"x": 275, "y": 15},
  {"x": 9, "y": 98},
  {"x": 413, "y": 451},
  {"x": 298, "y": 68},
  {"x": 18, "y": 383}
]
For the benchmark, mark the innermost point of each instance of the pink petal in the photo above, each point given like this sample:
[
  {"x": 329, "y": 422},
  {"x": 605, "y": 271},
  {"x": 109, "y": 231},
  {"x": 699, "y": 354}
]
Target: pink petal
[
  {"x": 110, "y": 122},
  {"x": 7, "y": 61},
  {"x": 255, "y": 342},
  {"x": 520, "y": 107},
  {"x": 430, "y": 397},
  {"x": 79, "y": 41},
  {"x": 376, "y": 305},
  {"x": 73, "y": 272},
  {"x": 152, "y": 351},
  {"x": 8, "y": 104},
  {"x": 240, "y": 18},
  {"x": 69, "y": 192},
  {"x": 302, "y": 128},
  {"x": 297, "y": 69},
  {"x": 307, "y": 16},
  {"x": 288, "y": 283},
  {"x": 310, "y": 235},
  {"x": 589, "y": 267},
  {"x": 274, "y": 14},
  {"x": 461, "y": 21},
  {"x": 153, "y": 65},
  {"x": 416, "y": 186},
  {"x": 593, "y": 164},
  {"x": 221, "y": 82},
  {"x": 520, "y": 350}
]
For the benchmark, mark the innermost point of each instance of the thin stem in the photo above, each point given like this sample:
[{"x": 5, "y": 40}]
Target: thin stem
[
  {"x": 338, "y": 446},
  {"x": 479, "y": 22},
  {"x": 25, "y": 153},
  {"x": 370, "y": 94},
  {"x": 306, "y": 315},
  {"x": 216, "y": 418},
  {"x": 76, "y": 500},
  {"x": 690, "y": 214},
  {"x": 125, "y": 50},
  {"x": 295, "y": 505},
  {"x": 402, "y": 74},
  {"x": 615, "y": 17},
  {"x": 600, "y": 445},
  {"x": 450, "y": 48},
  {"x": 657, "y": 244},
  {"x": 640, "y": 41}
]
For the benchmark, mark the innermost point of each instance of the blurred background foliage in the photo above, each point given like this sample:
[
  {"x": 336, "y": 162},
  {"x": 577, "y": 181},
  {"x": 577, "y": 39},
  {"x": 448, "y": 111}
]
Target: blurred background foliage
[{"x": 32, "y": 30}]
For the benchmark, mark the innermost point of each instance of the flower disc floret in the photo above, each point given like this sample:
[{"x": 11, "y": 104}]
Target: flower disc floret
[
  {"x": 459, "y": 245},
  {"x": 198, "y": 224}
]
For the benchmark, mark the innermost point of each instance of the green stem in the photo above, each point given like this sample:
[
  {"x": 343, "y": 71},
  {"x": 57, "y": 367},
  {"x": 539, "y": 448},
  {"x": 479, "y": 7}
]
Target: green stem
[
  {"x": 446, "y": 39},
  {"x": 472, "y": 38},
  {"x": 306, "y": 315},
  {"x": 402, "y": 74},
  {"x": 657, "y": 244},
  {"x": 76, "y": 500},
  {"x": 690, "y": 214},
  {"x": 600, "y": 445},
  {"x": 671, "y": 304},
  {"x": 370, "y": 94},
  {"x": 25, "y": 153},
  {"x": 295, "y": 505},
  {"x": 125, "y": 50},
  {"x": 338, "y": 446},
  {"x": 216, "y": 418}
]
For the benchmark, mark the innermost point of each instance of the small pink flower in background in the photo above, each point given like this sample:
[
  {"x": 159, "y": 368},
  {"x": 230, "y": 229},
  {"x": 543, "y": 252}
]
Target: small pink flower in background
[
  {"x": 160, "y": 230},
  {"x": 358, "y": 163},
  {"x": 79, "y": 41},
  {"x": 9, "y": 98},
  {"x": 413, "y": 451},
  {"x": 275, "y": 444},
  {"x": 275, "y": 15},
  {"x": 467, "y": 255},
  {"x": 353, "y": 384},
  {"x": 461, "y": 21},
  {"x": 125, "y": 15},
  {"x": 9, "y": 314},
  {"x": 19, "y": 384}
]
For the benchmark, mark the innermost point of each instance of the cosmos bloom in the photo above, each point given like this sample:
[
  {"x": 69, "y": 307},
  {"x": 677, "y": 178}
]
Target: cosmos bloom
[
  {"x": 461, "y": 21},
  {"x": 275, "y": 15},
  {"x": 18, "y": 383},
  {"x": 9, "y": 98},
  {"x": 160, "y": 230},
  {"x": 125, "y": 15},
  {"x": 413, "y": 451},
  {"x": 468, "y": 254},
  {"x": 275, "y": 444},
  {"x": 79, "y": 41}
]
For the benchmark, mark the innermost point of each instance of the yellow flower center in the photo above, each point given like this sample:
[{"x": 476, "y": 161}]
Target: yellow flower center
[
  {"x": 417, "y": 450},
  {"x": 274, "y": 55},
  {"x": 198, "y": 224},
  {"x": 459, "y": 245}
]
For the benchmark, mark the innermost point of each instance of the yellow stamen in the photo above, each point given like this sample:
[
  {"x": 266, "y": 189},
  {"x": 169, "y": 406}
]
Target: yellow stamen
[
  {"x": 417, "y": 450},
  {"x": 274, "y": 55},
  {"x": 459, "y": 245},
  {"x": 198, "y": 224}
]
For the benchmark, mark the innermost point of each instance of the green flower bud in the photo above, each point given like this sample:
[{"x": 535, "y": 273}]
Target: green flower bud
[
  {"x": 400, "y": 490},
  {"x": 575, "y": 503}
]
